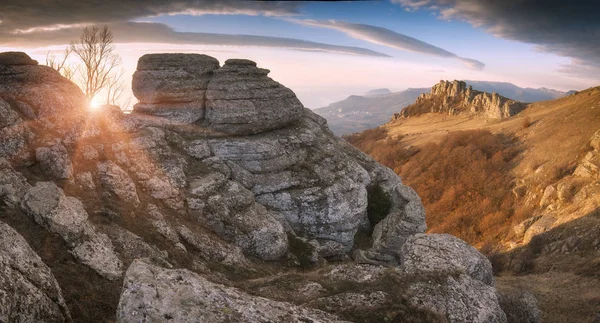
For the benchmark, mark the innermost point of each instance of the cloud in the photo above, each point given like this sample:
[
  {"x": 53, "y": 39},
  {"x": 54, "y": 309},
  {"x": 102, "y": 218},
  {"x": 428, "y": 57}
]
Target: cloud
[
  {"x": 24, "y": 15},
  {"x": 145, "y": 32},
  {"x": 569, "y": 29},
  {"x": 389, "y": 38}
]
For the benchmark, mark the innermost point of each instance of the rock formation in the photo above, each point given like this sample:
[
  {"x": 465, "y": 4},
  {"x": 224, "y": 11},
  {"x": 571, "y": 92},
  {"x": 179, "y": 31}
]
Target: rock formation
[
  {"x": 589, "y": 167},
  {"x": 219, "y": 172},
  {"x": 456, "y": 98}
]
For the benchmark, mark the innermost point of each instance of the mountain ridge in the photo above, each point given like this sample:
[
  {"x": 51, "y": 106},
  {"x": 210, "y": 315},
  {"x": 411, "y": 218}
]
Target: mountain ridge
[{"x": 376, "y": 109}]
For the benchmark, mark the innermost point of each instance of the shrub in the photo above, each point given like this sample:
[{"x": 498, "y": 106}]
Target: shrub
[{"x": 463, "y": 180}]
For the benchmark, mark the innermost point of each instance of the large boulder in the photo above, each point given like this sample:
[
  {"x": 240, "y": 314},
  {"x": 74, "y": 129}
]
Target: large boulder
[
  {"x": 28, "y": 290},
  {"x": 459, "y": 298},
  {"x": 40, "y": 92},
  {"x": 241, "y": 99},
  {"x": 65, "y": 216},
  {"x": 431, "y": 253},
  {"x": 156, "y": 294},
  {"x": 173, "y": 86}
]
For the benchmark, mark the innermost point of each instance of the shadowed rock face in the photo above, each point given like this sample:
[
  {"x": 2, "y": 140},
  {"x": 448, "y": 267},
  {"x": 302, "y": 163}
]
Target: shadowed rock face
[
  {"x": 455, "y": 98},
  {"x": 28, "y": 290},
  {"x": 219, "y": 170}
]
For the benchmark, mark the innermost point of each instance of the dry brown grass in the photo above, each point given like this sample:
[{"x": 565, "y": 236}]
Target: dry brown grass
[{"x": 462, "y": 180}]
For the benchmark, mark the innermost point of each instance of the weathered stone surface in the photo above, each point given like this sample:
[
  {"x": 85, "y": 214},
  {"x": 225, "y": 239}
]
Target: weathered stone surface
[
  {"x": 28, "y": 290},
  {"x": 13, "y": 185},
  {"x": 455, "y": 97},
  {"x": 543, "y": 224},
  {"x": 154, "y": 294},
  {"x": 522, "y": 227},
  {"x": 115, "y": 180},
  {"x": 14, "y": 133},
  {"x": 434, "y": 253},
  {"x": 212, "y": 249},
  {"x": 65, "y": 216},
  {"x": 406, "y": 217},
  {"x": 173, "y": 86},
  {"x": 589, "y": 167},
  {"x": 458, "y": 298},
  {"x": 198, "y": 149},
  {"x": 176, "y": 113},
  {"x": 55, "y": 160},
  {"x": 40, "y": 92},
  {"x": 196, "y": 63},
  {"x": 241, "y": 99}
]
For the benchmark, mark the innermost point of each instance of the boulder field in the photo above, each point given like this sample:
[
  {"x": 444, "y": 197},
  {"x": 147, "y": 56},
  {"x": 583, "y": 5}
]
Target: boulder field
[{"x": 204, "y": 203}]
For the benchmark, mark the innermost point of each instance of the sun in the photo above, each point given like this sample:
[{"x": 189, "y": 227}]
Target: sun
[{"x": 96, "y": 103}]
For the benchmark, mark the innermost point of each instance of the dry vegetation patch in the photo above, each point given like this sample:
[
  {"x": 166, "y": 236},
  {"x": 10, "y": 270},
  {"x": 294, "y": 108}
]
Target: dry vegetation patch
[{"x": 464, "y": 181}]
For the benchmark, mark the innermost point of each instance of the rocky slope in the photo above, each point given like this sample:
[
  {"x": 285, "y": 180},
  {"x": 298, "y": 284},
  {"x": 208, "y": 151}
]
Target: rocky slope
[
  {"x": 361, "y": 112},
  {"x": 456, "y": 98},
  {"x": 552, "y": 193},
  {"x": 202, "y": 203}
]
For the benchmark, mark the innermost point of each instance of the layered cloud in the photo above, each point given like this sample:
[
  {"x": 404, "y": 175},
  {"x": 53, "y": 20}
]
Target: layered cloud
[
  {"x": 389, "y": 38},
  {"x": 31, "y": 15},
  {"x": 569, "y": 29},
  {"x": 42, "y": 23},
  {"x": 142, "y": 32}
]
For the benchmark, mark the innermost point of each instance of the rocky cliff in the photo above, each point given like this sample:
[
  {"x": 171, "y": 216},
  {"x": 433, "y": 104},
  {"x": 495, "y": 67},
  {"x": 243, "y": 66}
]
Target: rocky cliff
[
  {"x": 200, "y": 204},
  {"x": 456, "y": 98}
]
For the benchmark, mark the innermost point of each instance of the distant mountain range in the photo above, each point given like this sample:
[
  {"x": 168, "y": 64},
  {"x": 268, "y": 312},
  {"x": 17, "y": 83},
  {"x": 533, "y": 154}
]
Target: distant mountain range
[
  {"x": 514, "y": 92},
  {"x": 360, "y": 112}
]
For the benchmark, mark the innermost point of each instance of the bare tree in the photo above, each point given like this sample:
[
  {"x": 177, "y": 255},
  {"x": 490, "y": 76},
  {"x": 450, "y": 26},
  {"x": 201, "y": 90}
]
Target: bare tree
[
  {"x": 96, "y": 50},
  {"x": 115, "y": 87},
  {"x": 66, "y": 69}
]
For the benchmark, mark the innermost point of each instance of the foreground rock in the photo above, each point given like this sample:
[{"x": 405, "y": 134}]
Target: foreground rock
[
  {"x": 221, "y": 172},
  {"x": 28, "y": 290},
  {"x": 40, "y": 92},
  {"x": 65, "y": 216},
  {"x": 456, "y": 98},
  {"x": 155, "y": 294}
]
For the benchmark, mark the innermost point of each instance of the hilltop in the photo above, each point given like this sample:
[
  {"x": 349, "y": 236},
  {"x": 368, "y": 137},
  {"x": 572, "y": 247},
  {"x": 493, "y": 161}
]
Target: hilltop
[
  {"x": 374, "y": 108},
  {"x": 457, "y": 98},
  {"x": 523, "y": 188}
]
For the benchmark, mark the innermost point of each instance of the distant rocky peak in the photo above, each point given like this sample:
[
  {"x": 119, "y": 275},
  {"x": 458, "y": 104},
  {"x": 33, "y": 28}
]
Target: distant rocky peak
[{"x": 457, "y": 98}]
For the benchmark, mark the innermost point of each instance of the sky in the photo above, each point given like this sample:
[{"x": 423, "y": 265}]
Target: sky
[{"x": 326, "y": 51}]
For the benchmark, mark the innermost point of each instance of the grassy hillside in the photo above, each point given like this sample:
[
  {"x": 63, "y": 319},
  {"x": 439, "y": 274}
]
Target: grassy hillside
[{"x": 481, "y": 179}]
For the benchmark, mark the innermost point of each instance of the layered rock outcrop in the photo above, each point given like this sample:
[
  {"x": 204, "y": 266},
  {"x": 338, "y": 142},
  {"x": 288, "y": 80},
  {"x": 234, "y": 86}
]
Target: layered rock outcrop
[
  {"x": 237, "y": 98},
  {"x": 589, "y": 167},
  {"x": 219, "y": 171},
  {"x": 456, "y": 98}
]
